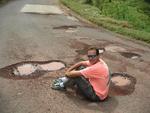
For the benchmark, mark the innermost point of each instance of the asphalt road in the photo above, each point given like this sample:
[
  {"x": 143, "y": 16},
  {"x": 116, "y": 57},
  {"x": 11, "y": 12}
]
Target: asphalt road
[{"x": 32, "y": 37}]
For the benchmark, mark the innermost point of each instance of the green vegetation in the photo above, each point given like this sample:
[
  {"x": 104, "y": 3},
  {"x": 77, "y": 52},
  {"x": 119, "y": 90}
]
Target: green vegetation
[
  {"x": 3, "y": 1},
  {"x": 128, "y": 17}
]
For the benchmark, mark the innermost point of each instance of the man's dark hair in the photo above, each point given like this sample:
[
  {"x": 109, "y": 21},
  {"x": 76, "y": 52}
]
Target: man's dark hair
[{"x": 94, "y": 48}]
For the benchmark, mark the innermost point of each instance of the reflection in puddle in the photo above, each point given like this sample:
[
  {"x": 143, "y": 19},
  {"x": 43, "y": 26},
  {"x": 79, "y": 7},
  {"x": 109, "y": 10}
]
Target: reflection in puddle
[
  {"x": 122, "y": 85},
  {"x": 31, "y": 69},
  {"x": 130, "y": 55}
]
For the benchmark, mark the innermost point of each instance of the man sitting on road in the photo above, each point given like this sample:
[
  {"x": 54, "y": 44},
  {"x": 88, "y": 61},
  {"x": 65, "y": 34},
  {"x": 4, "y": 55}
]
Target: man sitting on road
[{"x": 92, "y": 81}]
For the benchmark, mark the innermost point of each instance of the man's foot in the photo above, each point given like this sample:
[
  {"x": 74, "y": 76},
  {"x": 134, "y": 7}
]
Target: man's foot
[{"x": 58, "y": 85}]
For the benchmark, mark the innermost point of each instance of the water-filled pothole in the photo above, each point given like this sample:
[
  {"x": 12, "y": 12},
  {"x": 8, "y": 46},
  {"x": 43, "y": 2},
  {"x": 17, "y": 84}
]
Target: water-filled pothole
[
  {"x": 66, "y": 27},
  {"x": 121, "y": 81},
  {"x": 25, "y": 69},
  {"x": 31, "y": 69},
  {"x": 130, "y": 55},
  {"x": 122, "y": 84}
]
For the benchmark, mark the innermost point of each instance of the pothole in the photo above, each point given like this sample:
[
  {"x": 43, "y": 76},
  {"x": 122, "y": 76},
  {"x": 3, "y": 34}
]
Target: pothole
[
  {"x": 115, "y": 49},
  {"x": 25, "y": 69},
  {"x": 66, "y": 27},
  {"x": 53, "y": 66},
  {"x": 84, "y": 51},
  {"x": 122, "y": 84},
  {"x": 31, "y": 69},
  {"x": 130, "y": 55},
  {"x": 121, "y": 81}
]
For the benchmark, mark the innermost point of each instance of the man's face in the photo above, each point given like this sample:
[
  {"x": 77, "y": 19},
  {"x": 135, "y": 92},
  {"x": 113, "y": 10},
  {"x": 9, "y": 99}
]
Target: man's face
[{"x": 93, "y": 58}]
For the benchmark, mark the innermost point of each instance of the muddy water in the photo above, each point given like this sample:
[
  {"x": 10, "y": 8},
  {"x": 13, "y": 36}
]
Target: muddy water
[
  {"x": 121, "y": 81},
  {"x": 25, "y": 69},
  {"x": 52, "y": 66},
  {"x": 30, "y": 69}
]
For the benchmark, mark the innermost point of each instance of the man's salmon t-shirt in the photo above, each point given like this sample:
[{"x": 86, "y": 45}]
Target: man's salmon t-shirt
[{"x": 98, "y": 76}]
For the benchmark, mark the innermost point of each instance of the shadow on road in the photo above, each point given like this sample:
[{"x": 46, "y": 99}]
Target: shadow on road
[{"x": 107, "y": 106}]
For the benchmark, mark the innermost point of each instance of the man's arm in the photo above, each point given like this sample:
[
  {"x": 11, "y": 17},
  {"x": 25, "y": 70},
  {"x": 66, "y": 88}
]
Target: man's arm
[
  {"x": 71, "y": 72},
  {"x": 75, "y": 66}
]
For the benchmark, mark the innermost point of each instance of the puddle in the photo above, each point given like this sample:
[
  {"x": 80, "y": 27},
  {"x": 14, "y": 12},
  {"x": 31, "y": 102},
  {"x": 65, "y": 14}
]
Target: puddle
[
  {"x": 24, "y": 70},
  {"x": 31, "y": 69},
  {"x": 66, "y": 27},
  {"x": 130, "y": 55},
  {"x": 121, "y": 81},
  {"x": 53, "y": 66},
  {"x": 122, "y": 84}
]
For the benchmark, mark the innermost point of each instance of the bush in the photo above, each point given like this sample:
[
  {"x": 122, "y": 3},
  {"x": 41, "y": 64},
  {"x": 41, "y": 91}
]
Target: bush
[
  {"x": 117, "y": 16},
  {"x": 136, "y": 12}
]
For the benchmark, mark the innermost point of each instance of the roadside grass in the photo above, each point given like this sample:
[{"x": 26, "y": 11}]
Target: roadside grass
[
  {"x": 2, "y": 1},
  {"x": 124, "y": 27}
]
